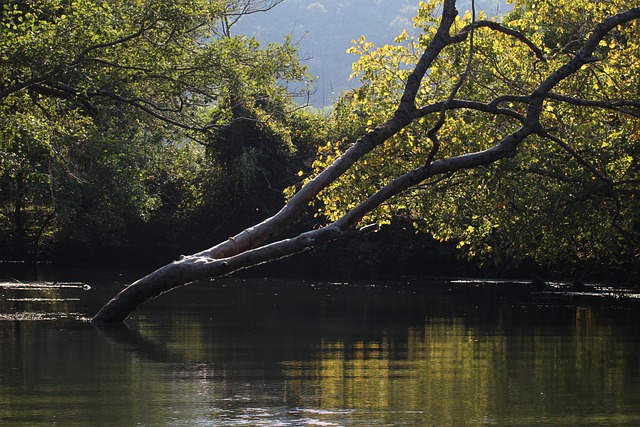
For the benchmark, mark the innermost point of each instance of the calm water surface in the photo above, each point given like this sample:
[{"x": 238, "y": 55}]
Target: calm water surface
[{"x": 244, "y": 352}]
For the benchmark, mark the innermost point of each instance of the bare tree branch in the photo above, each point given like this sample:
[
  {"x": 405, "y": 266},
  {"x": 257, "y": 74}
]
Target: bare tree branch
[
  {"x": 432, "y": 133},
  {"x": 502, "y": 29},
  {"x": 619, "y": 106},
  {"x": 236, "y": 9}
]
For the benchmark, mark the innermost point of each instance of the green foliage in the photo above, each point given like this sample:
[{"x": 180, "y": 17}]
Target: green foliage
[
  {"x": 101, "y": 106},
  {"x": 263, "y": 151},
  {"x": 571, "y": 196}
]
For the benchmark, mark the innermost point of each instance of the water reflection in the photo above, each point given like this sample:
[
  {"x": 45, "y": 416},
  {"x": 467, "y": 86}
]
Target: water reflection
[
  {"x": 252, "y": 353},
  {"x": 448, "y": 374}
]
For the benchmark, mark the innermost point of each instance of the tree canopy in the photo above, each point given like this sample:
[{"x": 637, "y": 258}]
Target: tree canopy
[
  {"x": 571, "y": 192},
  {"x": 99, "y": 100}
]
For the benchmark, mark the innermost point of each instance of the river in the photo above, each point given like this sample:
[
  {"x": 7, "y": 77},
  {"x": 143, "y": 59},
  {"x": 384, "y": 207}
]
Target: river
[{"x": 266, "y": 352}]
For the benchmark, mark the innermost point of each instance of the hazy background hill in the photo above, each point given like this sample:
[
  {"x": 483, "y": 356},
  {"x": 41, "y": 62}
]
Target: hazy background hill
[{"x": 325, "y": 30}]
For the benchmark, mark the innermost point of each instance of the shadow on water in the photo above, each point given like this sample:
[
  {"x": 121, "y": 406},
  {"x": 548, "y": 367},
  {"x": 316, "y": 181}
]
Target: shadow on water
[{"x": 134, "y": 342}]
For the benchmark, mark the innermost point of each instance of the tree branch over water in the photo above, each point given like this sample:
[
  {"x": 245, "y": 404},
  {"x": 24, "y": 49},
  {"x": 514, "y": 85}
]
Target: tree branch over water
[{"x": 252, "y": 246}]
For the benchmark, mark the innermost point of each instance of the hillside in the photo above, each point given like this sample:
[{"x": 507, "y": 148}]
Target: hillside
[{"x": 325, "y": 30}]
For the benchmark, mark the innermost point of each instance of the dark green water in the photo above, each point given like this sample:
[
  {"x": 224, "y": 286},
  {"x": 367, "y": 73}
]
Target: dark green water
[{"x": 302, "y": 353}]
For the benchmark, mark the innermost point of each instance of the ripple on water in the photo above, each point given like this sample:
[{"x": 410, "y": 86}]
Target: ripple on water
[
  {"x": 34, "y": 286},
  {"x": 40, "y": 300},
  {"x": 36, "y": 316},
  {"x": 278, "y": 417}
]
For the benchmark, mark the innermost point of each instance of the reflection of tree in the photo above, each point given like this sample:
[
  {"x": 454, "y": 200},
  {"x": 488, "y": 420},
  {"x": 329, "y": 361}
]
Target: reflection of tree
[
  {"x": 135, "y": 343},
  {"x": 373, "y": 357},
  {"x": 451, "y": 374}
]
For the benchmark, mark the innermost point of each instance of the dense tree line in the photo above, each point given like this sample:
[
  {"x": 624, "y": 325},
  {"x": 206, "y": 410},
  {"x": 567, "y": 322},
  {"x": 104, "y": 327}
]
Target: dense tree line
[
  {"x": 148, "y": 129},
  {"x": 130, "y": 125}
]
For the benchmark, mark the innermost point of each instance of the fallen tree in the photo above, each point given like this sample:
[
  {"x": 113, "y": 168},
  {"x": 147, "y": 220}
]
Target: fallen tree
[{"x": 260, "y": 243}]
